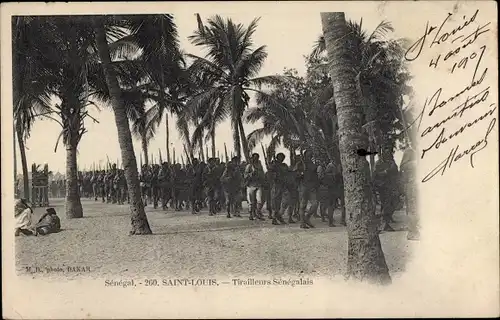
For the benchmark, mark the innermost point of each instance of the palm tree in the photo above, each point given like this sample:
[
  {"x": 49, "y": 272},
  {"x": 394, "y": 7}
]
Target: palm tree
[
  {"x": 31, "y": 96},
  {"x": 282, "y": 117},
  {"x": 164, "y": 65},
  {"x": 143, "y": 128},
  {"x": 295, "y": 114},
  {"x": 366, "y": 259},
  {"x": 226, "y": 75},
  {"x": 381, "y": 79},
  {"x": 69, "y": 63},
  {"x": 139, "y": 219}
]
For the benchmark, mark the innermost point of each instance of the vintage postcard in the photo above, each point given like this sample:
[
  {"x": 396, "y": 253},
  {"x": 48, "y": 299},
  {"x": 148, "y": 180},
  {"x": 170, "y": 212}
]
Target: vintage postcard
[{"x": 249, "y": 159}]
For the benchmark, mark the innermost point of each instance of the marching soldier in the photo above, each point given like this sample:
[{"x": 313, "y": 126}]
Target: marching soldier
[
  {"x": 101, "y": 185},
  {"x": 386, "y": 184},
  {"x": 108, "y": 185},
  {"x": 211, "y": 181},
  {"x": 278, "y": 171},
  {"x": 178, "y": 178},
  {"x": 308, "y": 187},
  {"x": 197, "y": 182},
  {"x": 111, "y": 180},
  {"x": 290, "y": 196},
  {"x": 95, "y": 186},
  {"x": 231, "y": 182},
  {"x": 120, "y": 186},
  {"x": 254, "y": 180},
  {"x": 221, "y": 199},
  {"x": 266, "y": 193},
  {"x": 145, "y": 182},
  {"x": 155, "y": 187},
  {"x": 164, "y": 184},
  {"x": 330, "y": 190},
  {"x": 87, "y": 184}
]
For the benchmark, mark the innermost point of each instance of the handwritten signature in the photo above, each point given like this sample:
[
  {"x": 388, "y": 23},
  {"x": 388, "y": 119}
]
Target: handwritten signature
[
  {"x": 455, "y": 156},
  {"x": 473, "y": 95}
]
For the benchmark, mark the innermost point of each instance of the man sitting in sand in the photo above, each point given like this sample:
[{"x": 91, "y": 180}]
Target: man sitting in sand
[
  {"x": 48, "y": 223},
  {"x": 23, "y": 215}
]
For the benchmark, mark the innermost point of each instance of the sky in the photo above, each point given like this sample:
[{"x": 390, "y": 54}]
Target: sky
[{"x": 288, "y": 34}]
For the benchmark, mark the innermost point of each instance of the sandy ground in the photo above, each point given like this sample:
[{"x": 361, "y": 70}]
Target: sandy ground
[{"x": 193, "y": 245}]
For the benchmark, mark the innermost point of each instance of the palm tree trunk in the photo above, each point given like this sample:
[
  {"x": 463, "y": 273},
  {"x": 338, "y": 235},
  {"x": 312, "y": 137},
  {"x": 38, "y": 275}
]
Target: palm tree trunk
[
  {"x": 144, "y": 145},
  {"x": 236, "y": 138},
  {"x": 139, "y": 220},
  {"x": 202, "y": 155},
  {"x": 73, "y": 204},
  {"x": 244, "y": 141},
  {"x": 212, "y": 133},
  {"x": 167, "y": 130},
  {"x": 366, "y": 259},
  {"x": 24, "y": 162}
]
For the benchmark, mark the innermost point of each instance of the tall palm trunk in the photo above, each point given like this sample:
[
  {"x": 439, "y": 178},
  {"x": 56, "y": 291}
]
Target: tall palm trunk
[
  {"x": 144, "y": 145},
  {"x": 236, "y": 138},
  {"x": 167, "y": 130},
  {"x": 24, "y": 162},
  {"x": 212, "y": 134},
  {"x": 138, "y": 217},
  {"x": 244, "y": 141},
  {"x": 73, "y": 204},
  {"x": 366, "y": 259},
  {"x": 202, "y": 155}
]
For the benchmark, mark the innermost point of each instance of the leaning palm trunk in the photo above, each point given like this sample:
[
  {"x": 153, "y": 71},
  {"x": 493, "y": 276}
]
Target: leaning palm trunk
[
  {"x": 366, "y": 259},
  {"x": 24, "y": 162},
  {"x": 139, "y": 219}
]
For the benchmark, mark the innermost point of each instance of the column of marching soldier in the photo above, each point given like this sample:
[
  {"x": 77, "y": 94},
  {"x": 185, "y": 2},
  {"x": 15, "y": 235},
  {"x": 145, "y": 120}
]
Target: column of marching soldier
[{"x": 296, "y": 192}]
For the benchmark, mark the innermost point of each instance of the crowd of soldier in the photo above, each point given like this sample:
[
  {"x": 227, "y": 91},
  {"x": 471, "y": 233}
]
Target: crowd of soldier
[{"x": 295, "y": 192}]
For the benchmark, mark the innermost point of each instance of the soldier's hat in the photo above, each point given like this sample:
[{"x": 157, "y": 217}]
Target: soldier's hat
[{"x": 51, "y": 210}]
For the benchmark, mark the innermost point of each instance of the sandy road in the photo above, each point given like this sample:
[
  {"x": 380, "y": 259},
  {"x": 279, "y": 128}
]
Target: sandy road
[{"x": 192, "y": 245}]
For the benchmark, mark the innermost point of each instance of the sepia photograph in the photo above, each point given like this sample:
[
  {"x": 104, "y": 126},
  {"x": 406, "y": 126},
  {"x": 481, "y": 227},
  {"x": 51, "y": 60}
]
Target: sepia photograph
[{"x": 217, "y": 148}]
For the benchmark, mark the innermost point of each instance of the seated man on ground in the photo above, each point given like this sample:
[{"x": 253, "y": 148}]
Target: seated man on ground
[
  {"x": 49, "y": 223},
  {"x": 23, "y": 214}
]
